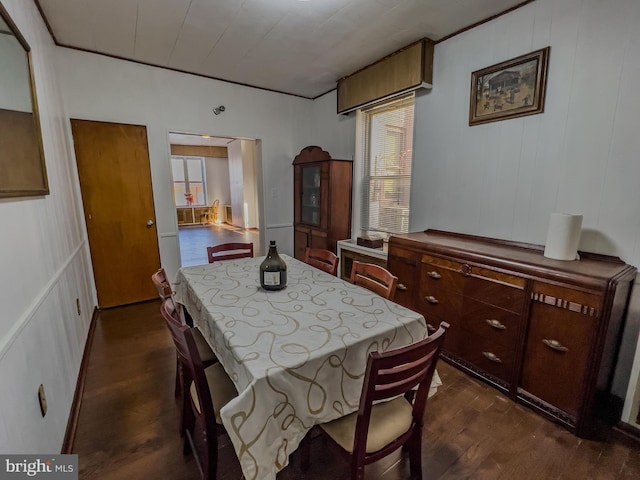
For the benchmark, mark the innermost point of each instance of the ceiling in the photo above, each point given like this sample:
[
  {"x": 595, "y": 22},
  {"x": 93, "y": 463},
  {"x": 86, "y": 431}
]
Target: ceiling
[{"x": 291, "y": 46}]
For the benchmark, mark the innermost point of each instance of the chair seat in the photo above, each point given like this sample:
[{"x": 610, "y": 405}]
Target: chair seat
[
  {"x": 389, "y": 420},
  {"x": 221, "y": 388},
  {"x": 206, "y": 354}
]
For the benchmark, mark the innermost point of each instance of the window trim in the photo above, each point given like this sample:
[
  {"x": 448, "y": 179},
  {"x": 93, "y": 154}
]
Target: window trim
[
  {"x": 186, "y": 181},
  {"x": 359, "y": 166}
]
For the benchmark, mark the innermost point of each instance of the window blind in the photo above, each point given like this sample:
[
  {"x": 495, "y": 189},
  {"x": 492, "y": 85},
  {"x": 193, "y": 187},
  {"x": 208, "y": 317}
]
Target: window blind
[{"x": 386, "y": 183}]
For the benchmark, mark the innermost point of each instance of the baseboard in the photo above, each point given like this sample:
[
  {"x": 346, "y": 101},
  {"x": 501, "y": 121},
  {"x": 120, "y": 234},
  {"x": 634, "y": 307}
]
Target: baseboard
[
  {"x": 629, "y": 430},
  {"x": 74, "y": 414}
]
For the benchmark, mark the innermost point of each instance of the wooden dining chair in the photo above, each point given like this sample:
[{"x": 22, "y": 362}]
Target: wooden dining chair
[
  {"x": 387, "y": 419},
  {"x": 210, "y": 215},
  {"x": 162, "y": 284},
  {"x": 375, "y": 278},
  {"x": 165, "y": 293},
  {"x": 229, "y": 251},
  {"x": 322, "y": 259},
  {"x": 205, "y": 392}
]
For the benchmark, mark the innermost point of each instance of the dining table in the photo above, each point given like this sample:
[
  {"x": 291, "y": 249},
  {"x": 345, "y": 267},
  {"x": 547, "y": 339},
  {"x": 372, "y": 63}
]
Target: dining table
[{"x": 297, "y": 356}]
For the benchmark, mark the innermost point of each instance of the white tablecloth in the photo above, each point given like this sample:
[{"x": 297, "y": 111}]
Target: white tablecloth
[{"x": 297, "y": 356}]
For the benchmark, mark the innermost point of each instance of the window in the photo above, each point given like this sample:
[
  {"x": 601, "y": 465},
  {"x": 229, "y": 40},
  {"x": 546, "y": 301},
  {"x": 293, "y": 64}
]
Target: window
[
  {"x": 188, "y": 181},
  {"x": 387, "y": 146}
]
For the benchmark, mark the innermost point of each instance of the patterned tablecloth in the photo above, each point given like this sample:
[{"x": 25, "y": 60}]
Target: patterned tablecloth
[{"x": 297, "y": 356}]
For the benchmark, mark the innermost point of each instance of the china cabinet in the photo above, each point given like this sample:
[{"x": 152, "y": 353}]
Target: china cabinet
[{"x": 322, "y": 200}]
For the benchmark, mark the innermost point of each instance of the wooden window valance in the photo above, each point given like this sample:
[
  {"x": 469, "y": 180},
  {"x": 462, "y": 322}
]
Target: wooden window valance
[{"x": 403, "y": 71}]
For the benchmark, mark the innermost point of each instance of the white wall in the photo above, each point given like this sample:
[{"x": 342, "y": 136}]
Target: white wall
[
  {"x": 100, "y": 88},
  {"x": 217, "y": 172},
  {"x": 334, "y": 133},
  {"x": 580, "y": 156},
  {"x": 249, "y": 180},
  {"x": 45, "y": 268},
  {"x": 243, "y": 181}
]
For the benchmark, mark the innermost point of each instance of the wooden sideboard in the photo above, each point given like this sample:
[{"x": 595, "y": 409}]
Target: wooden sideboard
[{"x": 545, "y": 332}]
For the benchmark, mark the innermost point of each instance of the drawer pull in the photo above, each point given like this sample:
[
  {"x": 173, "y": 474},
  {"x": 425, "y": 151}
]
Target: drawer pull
[
  {"x": 495, "y": 324},
  {"x": 556, "y": 345},
  {"x": 431, "y": 299},
  {"x": 492, "y": 356},
  {"x": 465, "y": 269},
  {"x": 431, "y": 328},
  {"x": 434, "y": 274},
  {"x": 401, "y": 287}
]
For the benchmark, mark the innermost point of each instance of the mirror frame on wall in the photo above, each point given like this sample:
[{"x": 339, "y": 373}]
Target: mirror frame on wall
[{"x": 22, "y": 165}]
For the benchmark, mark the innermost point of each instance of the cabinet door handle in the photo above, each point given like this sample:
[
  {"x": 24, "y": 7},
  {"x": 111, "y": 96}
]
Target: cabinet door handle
[
  {"x": 555, "y": 344},
  {"x": 434, "y": 274},
  {"x": 431, "y": 299},
  {"x": 495, "y": 324},
  {"x": 431, "y": 328},
  {"x": 492, "y": 356},
  {"x": 401, "y": 287}
]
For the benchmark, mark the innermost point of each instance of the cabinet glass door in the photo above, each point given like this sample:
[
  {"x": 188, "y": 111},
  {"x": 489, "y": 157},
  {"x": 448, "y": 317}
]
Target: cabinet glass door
[{"x": 310, "y": 201}]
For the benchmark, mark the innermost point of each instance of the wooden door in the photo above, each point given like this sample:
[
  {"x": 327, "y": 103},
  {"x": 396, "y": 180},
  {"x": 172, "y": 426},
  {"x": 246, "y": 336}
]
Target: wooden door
[{"x": 115, "y": 180}]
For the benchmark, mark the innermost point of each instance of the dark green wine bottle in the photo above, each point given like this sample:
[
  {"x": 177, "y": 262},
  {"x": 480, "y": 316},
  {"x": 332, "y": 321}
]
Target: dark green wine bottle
[{"x": 273, "y": 270}]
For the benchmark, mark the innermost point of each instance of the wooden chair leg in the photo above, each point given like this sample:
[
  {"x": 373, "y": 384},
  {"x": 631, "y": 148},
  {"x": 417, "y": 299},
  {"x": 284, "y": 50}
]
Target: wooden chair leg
[
  {"x": 415, "y": 454},
  {"x": 357, "y": 471},
  {"x": 305, "y": 453},
  {"x": 178, "y": 387}
]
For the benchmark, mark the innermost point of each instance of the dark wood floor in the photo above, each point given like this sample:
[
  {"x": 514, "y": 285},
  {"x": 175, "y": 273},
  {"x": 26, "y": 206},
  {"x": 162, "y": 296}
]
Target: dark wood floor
[
  {"x": 128, "y": 424},
  {"x": 195, "y": 239}
]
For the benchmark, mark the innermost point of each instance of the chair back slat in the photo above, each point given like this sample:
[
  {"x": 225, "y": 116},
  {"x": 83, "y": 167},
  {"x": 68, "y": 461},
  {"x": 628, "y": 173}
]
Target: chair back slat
[
  {"x": 393, "y": 382},
  {"x": 322, "y": 259},
  {"x": 229, "y": 251},
  {"x": 162, "y": 284},
  {"x": 374, "y": 278},
  {"x": 165, "y": 292}
]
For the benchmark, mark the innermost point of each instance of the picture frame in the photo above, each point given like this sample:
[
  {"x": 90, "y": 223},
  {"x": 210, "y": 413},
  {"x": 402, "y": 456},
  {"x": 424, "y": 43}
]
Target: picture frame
[
  {"x": 509, "y": 89},
  {"x": 23, "y": 171}
]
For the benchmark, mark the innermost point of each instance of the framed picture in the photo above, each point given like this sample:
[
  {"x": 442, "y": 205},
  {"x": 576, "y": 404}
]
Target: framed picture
[
  {"x": 22, "y": 167},
  {"x": 510, "y": 89}
]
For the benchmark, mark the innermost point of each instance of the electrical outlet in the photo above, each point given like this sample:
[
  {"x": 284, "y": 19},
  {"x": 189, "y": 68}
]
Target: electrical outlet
[
  {"x": 42, "y": 400},
  {"x": 78, "y": 306}
]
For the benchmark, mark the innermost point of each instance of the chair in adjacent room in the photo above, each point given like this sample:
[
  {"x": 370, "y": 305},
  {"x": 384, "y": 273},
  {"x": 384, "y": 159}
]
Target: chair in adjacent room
[
  {"x": 375, "y": 278},
  {"x": 387, "y": 419},
  {"x": 322, "y": 259},
  {"x": 229, "y": 251},
  {"x": 210, "y": 215},
  {"x": 204, "y": 391},
  {"x": 165, "y": 292}
]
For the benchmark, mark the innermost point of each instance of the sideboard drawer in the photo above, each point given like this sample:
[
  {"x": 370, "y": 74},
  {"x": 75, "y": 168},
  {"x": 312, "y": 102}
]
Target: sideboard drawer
[
  {"x": 405, "y": 265},
  {"x": 557, "y": 355},
  {"x": 481, "y": 320}
]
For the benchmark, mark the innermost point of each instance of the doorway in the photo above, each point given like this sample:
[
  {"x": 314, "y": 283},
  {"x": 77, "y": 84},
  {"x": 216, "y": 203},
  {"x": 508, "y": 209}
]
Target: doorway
[{"x": 216, "y": 192}]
